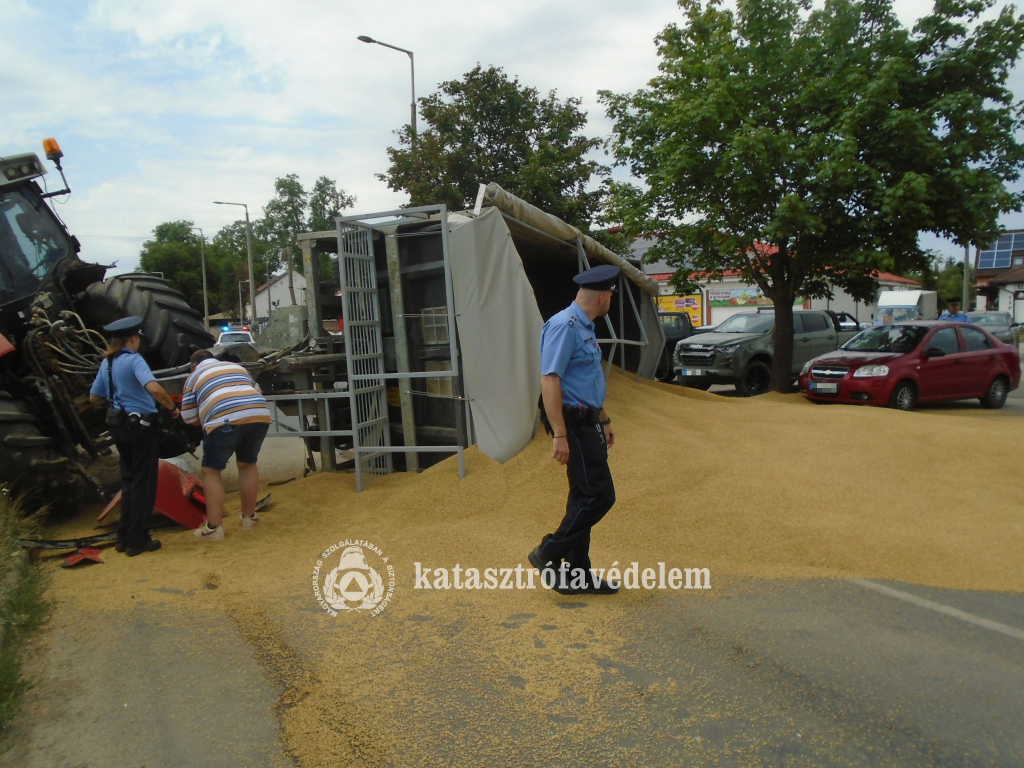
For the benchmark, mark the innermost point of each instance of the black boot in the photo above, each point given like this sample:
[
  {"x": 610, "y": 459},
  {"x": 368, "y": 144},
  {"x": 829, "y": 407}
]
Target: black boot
[{"x": 150, "y": 546}]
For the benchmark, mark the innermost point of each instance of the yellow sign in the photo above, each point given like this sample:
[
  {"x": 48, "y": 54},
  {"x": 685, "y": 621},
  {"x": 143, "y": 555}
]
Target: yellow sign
[
  {"x": 394, "y": 397},
  {"x": 690, "y": 304}
]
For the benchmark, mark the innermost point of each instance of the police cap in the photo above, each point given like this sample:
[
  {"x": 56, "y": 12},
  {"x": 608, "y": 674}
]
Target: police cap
[
  {"x": 602, "y": 278},
  {"x": 953, "y": 300},
  {"x": 125, "y": 328}
]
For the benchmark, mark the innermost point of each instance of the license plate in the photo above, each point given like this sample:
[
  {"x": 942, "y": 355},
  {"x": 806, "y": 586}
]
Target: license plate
[
  {"x": 692, "y": 372},
  {"x": 820, "y": 387}
]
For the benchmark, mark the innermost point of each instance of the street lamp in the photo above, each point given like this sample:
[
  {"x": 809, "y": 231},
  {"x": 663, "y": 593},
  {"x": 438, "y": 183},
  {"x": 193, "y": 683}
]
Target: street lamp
[
  {"x": 202, "y": 261},
  {"x": 412, "y": 70},
  {"x": 241, "y": 313},
  {"x": 248, "y": 250}
]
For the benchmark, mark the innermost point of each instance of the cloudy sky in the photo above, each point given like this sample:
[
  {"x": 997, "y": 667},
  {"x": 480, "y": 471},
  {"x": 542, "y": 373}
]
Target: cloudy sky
[{"x": 163, "y": 107}]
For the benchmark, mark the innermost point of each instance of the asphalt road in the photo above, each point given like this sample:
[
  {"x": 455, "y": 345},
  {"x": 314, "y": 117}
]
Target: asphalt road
[{"x": 771, "y": 673}]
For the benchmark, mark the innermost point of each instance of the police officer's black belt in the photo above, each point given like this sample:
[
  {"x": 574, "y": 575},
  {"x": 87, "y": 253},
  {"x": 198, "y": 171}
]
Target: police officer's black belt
[{"x": 581, "y": 414}]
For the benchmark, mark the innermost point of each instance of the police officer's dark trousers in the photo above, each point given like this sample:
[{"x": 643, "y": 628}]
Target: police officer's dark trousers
[
  {"x": 591, "y": 494},
  {"x": 139, "y": 449}
]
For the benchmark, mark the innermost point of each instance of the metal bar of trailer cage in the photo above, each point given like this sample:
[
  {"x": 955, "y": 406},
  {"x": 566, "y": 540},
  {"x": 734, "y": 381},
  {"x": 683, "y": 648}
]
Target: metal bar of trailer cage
[
  {"x": 458, "y": 450},
  {"x": 611, "y": 354},
  {"x": 643, "y": 334},
  {"x": 400, "y": 213},
  {"x": 453, "y": 349},
  {"x": 622, "y": 326},
  {"x": 406, "y": 375},
  {"x": 347, "y": 332}
]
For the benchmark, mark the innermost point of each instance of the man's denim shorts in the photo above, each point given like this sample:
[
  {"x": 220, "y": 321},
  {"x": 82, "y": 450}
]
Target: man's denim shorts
[{"x": 243, "y": 440}]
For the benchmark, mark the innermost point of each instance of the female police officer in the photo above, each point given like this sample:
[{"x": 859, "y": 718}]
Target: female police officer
[{"x": 125, "y": 382}]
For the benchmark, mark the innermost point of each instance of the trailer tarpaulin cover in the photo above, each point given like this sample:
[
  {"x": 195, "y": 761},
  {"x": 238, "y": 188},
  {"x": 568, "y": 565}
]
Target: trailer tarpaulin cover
[
  {"x": 535, "y": 217},
  {"x": 499, "y": 332}
]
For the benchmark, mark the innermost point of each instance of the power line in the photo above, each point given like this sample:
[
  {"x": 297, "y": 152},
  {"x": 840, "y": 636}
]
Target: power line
[{"x": 112, "y": 237}]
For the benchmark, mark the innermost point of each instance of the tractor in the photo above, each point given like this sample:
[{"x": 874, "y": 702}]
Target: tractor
[{"x": 53, "y": 306}]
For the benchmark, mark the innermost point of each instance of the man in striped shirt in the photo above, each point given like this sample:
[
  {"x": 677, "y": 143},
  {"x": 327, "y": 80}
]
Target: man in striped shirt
[{"x": 227, "y": 402}]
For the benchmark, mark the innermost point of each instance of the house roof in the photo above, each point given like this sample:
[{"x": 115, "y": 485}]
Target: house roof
[
  {"x": 1015, "y": 275},
  {"x": 891, "y": 278}
]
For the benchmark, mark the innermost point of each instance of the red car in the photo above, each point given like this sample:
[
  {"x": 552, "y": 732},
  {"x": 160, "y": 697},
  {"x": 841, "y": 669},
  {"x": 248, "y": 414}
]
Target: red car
[{"x": 909, "y": 363}]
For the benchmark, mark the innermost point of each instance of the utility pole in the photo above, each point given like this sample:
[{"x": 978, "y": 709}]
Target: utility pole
[
  {"x": 967, "y": 257},
  {"x": 202, "y": 262},
  {"x": 412, "y": 73},
  {"x": 248, "y": 251}
]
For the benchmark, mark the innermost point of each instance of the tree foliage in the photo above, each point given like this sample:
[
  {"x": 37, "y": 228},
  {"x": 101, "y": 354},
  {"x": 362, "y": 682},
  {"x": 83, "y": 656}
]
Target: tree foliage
[
  {"x": 174, "y": 249},
  {"x": 488, "y": 127},
  {"x": 831, "y": 137}
]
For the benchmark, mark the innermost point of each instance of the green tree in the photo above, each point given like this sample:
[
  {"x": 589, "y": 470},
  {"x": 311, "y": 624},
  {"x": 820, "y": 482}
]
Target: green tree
[
  {"x": 487, "y": 127},
  {"x": 174, "y": 251},
  {"x": 284, "y": 217},
  {"x": 830, "y": 137},
  {"x": 326, "y": 202}
]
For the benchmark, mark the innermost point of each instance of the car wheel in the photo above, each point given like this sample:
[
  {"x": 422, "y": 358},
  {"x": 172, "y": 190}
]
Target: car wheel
[
  {"x": 756, "y": 379},
  {"x": 904, "y": 397},
  {"x": 995, "y": 397}
]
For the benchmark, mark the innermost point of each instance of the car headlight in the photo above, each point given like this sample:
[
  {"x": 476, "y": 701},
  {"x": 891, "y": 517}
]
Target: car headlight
[
  {"x": 806, "y": 368},
  {"x": 870, "y": 371},
  {"x": 727, "y": 349}
]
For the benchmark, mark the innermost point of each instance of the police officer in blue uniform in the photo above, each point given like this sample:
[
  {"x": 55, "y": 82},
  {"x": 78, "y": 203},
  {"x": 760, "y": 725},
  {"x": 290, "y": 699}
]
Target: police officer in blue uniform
[
  {"x": 126, "y": 384},
  {"x": 952, "y": 313},
  {"x": 572, "y": 399}
]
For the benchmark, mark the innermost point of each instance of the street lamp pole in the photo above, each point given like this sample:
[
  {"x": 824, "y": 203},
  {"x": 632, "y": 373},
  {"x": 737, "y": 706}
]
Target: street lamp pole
[
  {"x": 412, "y": 72},
  {"x": 241, "y": 313},
  {"x": 202, "y": 262},
  {"x": 248, "y": 251}
]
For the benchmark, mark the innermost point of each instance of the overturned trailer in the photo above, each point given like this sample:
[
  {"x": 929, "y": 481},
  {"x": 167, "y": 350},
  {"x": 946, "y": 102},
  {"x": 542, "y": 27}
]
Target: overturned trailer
[{"x": 441, "y": 321}]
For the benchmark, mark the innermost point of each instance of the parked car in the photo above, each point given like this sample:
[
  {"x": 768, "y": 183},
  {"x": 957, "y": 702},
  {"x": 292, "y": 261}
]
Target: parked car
[
  {"x": 905, "y": 364},
  {"x": 848, "y": 322},
  {"x": 235, "y": 345},
  {"x": 677, "y": 326},
  {"x": 740, "y": 349},
  {"x": 999, "y": 324}
]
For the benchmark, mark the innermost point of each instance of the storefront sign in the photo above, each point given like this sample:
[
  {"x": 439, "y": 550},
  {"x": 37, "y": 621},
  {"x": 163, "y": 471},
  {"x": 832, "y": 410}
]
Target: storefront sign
[{"x": 691, "y": 304}]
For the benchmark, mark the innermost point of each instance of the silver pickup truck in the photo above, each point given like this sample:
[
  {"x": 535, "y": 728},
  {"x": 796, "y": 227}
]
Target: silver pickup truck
[{"x": 739, "y": 351}]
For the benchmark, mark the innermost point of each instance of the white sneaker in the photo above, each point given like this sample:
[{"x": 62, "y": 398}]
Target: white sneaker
[
  {"x": 206, "y": 533},
  {"x": 250, "y": 522}
]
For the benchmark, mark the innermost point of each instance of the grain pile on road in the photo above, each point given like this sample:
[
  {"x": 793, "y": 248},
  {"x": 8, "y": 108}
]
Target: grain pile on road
[{"x": 769, "y": 487}]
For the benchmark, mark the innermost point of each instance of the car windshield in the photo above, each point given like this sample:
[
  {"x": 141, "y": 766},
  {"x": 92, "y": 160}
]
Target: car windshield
[
  {"x": 747, "y": 322},
  {"x": 988, "y": 318},
  {"x": 892, "y": 338},
  {"x": 672, "y": 323},
  {"x": 30, "y": 243},
  {"x": 234, "y": 338}
]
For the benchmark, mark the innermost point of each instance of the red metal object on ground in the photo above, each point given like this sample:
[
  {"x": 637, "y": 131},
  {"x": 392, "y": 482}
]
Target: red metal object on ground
[
  {"x": 5, "y": 345},
  {"x": 92, "y": 555},
  {"x": 179, "y": 496}
]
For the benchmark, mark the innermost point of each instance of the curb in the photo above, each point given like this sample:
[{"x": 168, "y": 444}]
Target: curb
[{"x": 10, "y": 584}]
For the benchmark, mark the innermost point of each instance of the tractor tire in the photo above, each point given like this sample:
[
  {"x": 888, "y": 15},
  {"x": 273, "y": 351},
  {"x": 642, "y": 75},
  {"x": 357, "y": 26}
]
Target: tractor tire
[
  {"x": 171, "y": 329},
  {"x": 32, "y": 468}
]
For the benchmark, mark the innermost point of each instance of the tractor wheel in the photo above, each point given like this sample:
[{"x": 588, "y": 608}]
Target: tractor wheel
[
  {"x": 32, "y": 467},
  {"x": 171, "y": 329}
]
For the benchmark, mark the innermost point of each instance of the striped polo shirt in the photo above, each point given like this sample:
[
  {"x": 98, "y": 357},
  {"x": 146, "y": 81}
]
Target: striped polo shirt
[{"x": 219, "y": 393}]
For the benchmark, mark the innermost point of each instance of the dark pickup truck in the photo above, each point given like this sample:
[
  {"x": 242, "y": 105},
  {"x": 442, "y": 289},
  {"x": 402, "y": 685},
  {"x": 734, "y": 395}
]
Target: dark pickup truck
[
  {"x": 739, "y": 351},
  {"x": 677, "y": 326}
]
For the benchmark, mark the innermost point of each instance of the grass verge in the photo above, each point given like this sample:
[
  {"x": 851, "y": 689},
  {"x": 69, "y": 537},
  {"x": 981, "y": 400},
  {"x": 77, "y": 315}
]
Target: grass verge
[{"x": 22, "y": 605}]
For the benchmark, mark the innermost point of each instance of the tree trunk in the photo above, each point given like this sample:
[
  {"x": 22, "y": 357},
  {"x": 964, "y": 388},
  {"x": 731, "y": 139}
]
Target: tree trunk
[{"x": 782, "y": 361}]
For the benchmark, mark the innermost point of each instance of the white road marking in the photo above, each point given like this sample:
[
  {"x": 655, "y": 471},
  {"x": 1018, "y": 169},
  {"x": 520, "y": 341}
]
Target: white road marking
[{"x": 931, "y": 605}]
